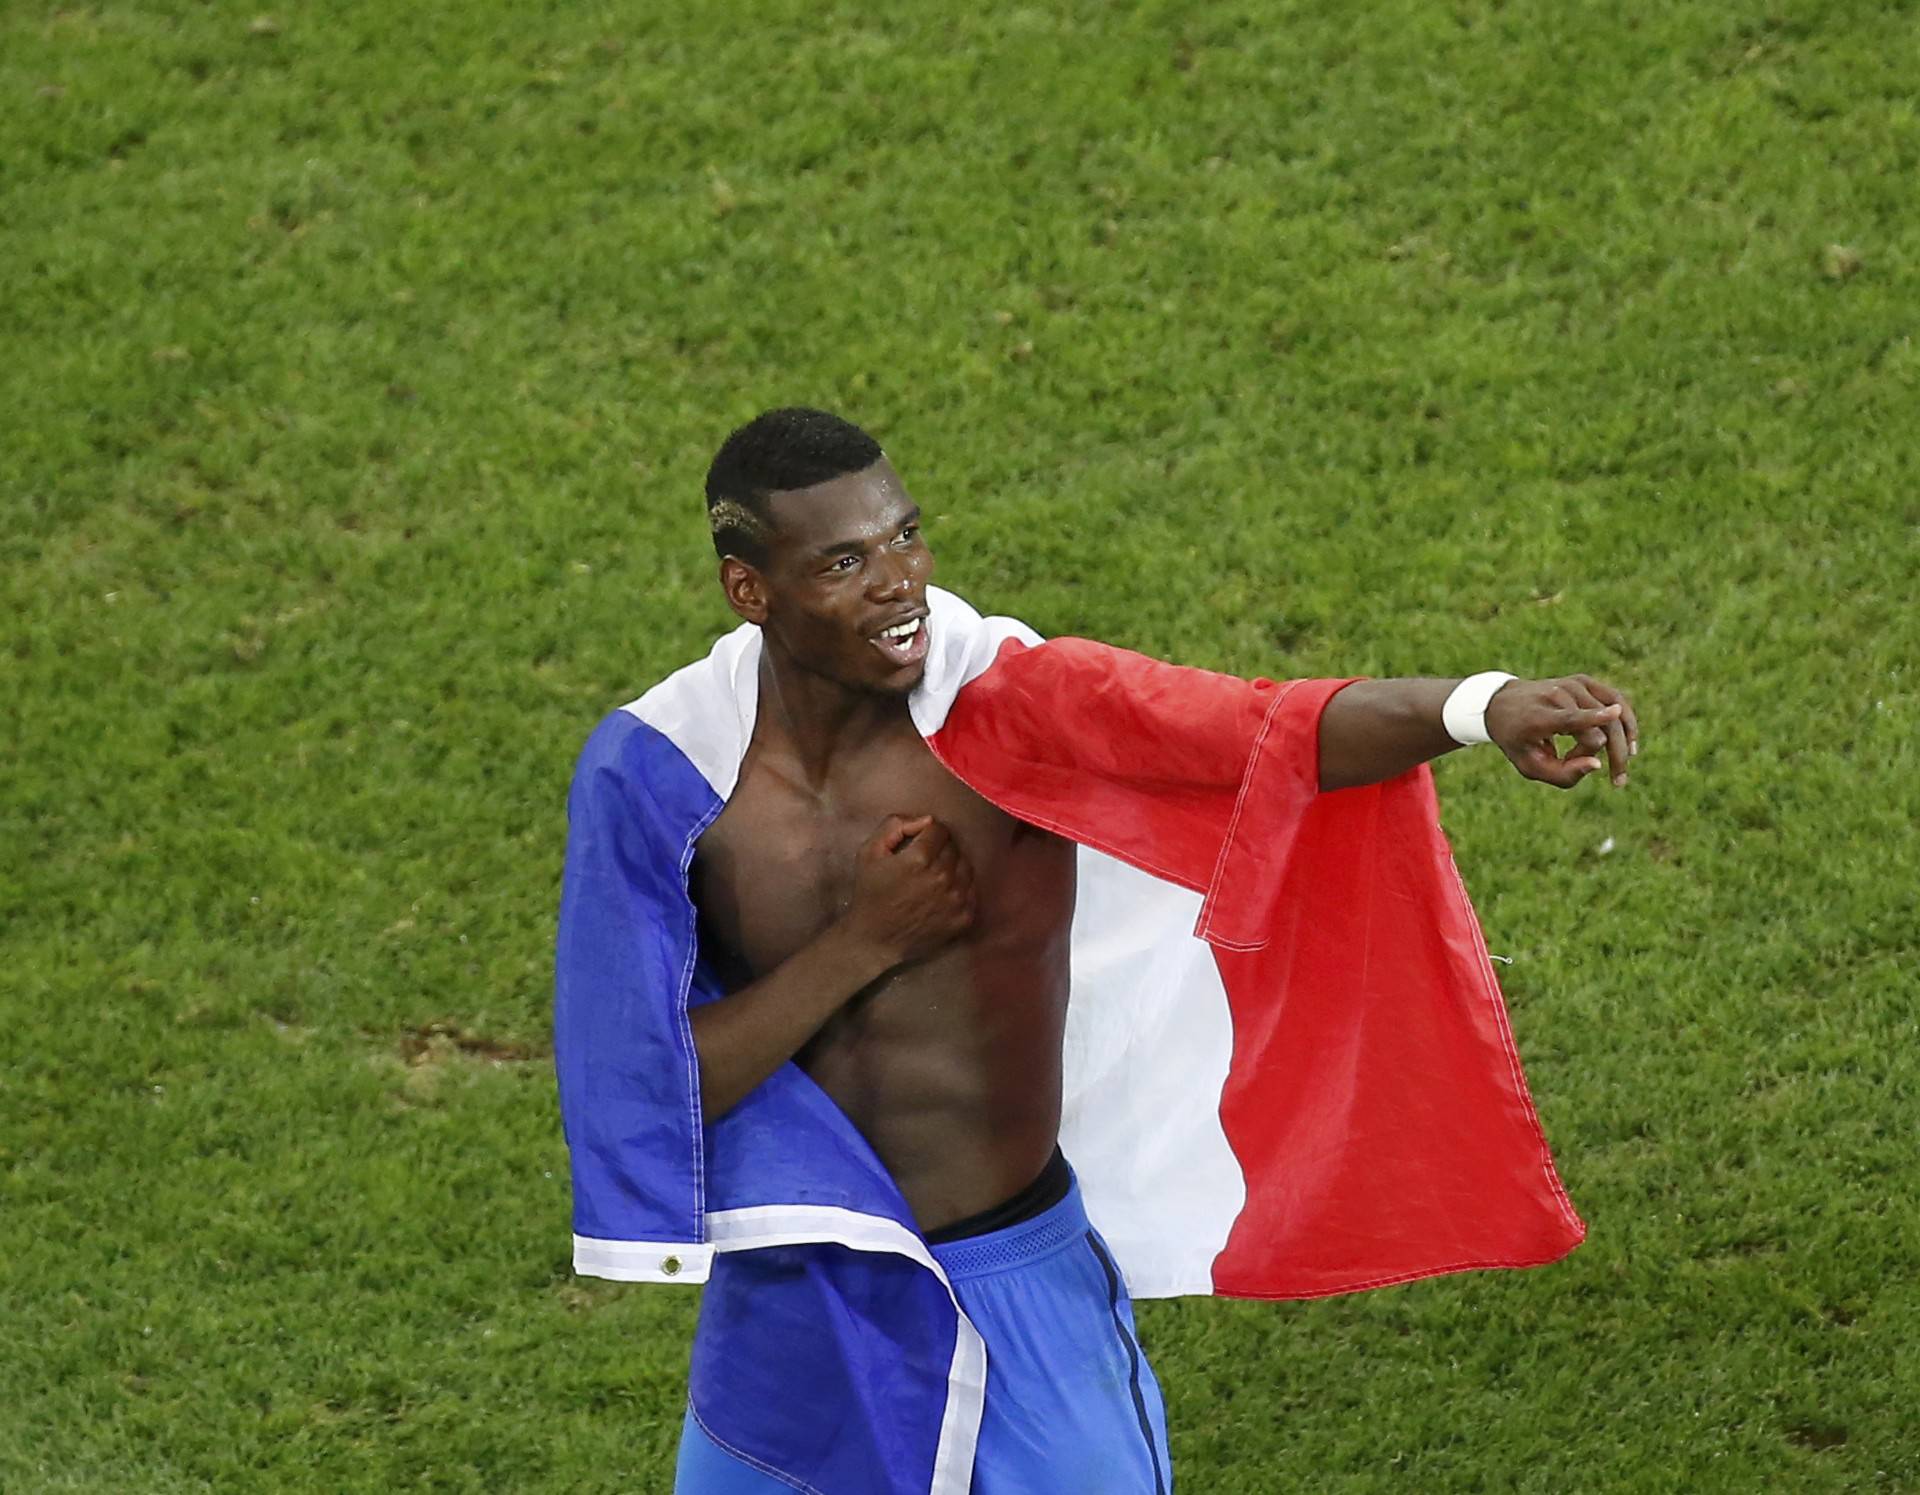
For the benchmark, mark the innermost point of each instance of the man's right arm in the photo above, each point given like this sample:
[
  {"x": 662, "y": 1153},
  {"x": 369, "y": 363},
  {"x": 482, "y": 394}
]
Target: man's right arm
[{"x": 913, "y": 892}]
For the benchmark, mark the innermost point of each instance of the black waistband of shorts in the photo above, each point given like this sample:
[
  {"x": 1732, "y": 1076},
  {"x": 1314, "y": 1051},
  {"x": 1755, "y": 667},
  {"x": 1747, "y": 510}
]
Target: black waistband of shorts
[{"x": 1036, "y": 1198}]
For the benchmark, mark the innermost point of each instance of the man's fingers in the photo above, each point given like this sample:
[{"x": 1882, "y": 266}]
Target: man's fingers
[
  {"x": 947, "y": 861},
  {"x": 962, "y": 868},
  {"x": 1610, "y": 736},
  {"x": 1619, "y": 750},
  {"x": 896, "y": 830},
  {"x": 1613, "y": 695},
  {"x": 1597, "y": 717},
  {"x": 931, "y": 841},
  {"x": 1570, "y": 771},
  {"x": 1578, "y": 716},
  {"x": 1546, "y": 766}
]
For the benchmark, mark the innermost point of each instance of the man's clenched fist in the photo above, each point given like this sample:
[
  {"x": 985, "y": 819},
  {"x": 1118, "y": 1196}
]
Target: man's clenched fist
[{"x": 912, "y": 888}]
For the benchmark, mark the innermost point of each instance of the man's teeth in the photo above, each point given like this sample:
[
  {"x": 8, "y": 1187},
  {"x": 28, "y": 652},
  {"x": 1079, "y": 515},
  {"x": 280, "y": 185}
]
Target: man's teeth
[{"x": 904, "y": 630}]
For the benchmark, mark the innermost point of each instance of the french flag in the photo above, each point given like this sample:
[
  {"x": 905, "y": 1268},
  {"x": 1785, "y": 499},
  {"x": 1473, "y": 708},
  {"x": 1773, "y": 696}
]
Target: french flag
[{"x": 1288, "y": 1069}]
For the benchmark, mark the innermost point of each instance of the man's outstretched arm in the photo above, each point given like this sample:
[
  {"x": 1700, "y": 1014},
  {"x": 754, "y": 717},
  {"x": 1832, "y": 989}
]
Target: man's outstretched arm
[{"x": 1377, "y": 729}]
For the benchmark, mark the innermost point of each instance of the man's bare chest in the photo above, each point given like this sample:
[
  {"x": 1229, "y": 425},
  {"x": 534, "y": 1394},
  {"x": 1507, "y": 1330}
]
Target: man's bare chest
[{"x": 777, "y": 865}]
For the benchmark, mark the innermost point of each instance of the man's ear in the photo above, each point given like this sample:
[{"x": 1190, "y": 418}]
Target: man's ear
[{"x": 745, "y": 587}]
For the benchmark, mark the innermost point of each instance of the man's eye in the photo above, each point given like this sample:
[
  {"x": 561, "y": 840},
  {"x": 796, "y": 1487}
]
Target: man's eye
[
  {"x": 844, "y": 562},
  {"x": 911, "y": 532}
]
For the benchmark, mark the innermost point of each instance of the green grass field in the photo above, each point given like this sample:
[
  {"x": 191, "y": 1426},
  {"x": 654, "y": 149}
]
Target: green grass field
[{"x": 361, "y": 366}]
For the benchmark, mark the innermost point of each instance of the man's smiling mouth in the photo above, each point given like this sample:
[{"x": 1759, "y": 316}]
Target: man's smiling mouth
[{"x": 904, "y": 643}]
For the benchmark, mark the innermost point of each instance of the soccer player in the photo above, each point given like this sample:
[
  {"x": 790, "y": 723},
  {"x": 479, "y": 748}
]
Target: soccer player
[{"x": 901, "y": 940}]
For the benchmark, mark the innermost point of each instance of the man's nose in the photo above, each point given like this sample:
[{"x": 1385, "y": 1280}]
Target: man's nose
[{"x": 892, "y": 574}]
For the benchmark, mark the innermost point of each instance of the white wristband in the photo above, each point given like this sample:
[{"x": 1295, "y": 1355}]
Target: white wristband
[{"x": 1465, "y": 714}]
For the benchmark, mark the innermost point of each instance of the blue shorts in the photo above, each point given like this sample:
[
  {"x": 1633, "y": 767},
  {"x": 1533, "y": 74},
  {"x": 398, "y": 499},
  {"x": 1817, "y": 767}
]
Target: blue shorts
[{"x": 1072, "y": 1407}]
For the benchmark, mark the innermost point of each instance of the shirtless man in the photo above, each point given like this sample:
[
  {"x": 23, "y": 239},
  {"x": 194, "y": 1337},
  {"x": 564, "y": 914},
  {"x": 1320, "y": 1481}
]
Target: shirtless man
[{"x": 906, "y": 942}]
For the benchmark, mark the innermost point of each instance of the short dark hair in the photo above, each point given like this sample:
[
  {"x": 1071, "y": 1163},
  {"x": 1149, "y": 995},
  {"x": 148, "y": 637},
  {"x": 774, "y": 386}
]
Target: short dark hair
[{"x": 779, "y": 450}]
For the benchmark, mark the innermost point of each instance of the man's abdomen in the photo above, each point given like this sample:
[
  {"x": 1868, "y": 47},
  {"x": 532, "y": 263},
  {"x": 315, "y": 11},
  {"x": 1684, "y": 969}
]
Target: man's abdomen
[{"x": 955, "y": 1085}]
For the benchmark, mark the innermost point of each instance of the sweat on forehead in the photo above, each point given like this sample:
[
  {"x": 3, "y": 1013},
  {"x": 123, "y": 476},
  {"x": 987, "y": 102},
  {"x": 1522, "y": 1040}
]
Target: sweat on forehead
[{"x": 858, "y": 507}]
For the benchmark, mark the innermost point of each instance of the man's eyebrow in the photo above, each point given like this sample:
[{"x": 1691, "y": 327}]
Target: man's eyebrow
[{"x": 854, "y": 547}]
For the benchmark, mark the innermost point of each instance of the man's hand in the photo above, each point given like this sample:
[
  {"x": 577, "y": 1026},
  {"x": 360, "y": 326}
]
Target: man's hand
[
  {"x": 1525, "y": 716},
  {"x": 912, "y": 889},
  {"x": 912, "y": 892}
]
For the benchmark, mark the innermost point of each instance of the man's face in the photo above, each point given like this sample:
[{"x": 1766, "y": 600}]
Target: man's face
[{"x": 844, "y": 587}]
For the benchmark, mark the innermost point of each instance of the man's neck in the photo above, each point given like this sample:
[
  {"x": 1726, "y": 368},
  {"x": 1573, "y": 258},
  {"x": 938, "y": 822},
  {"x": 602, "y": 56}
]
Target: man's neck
[{"x": 816, "y": 720}]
